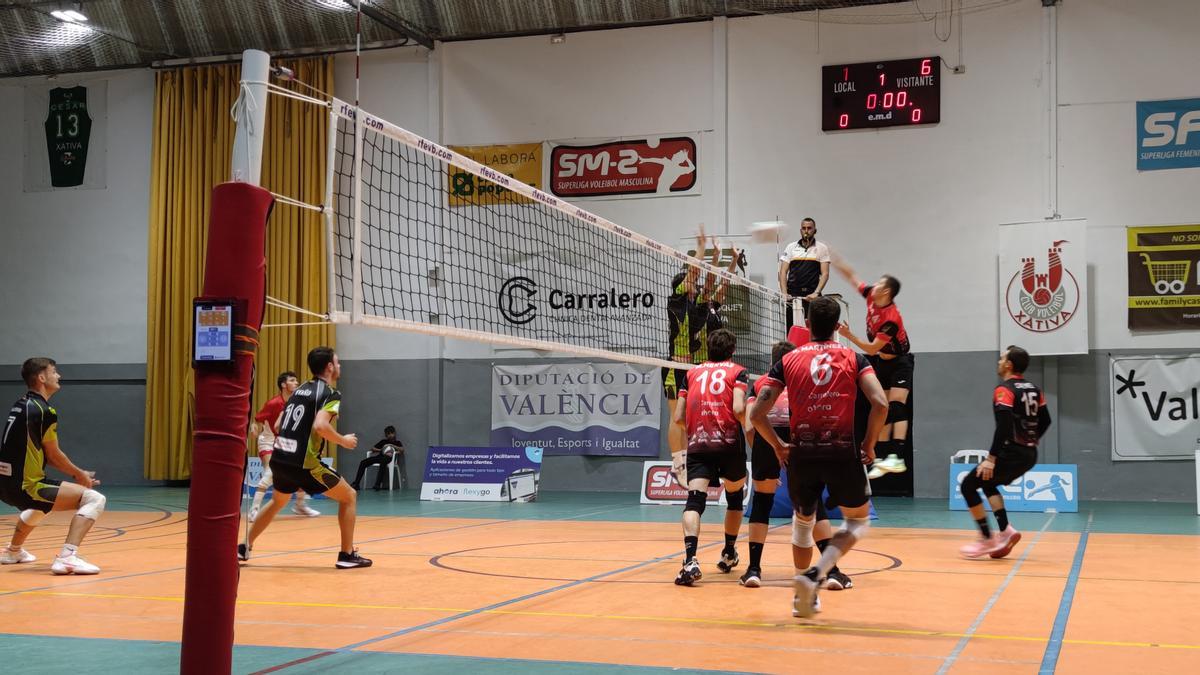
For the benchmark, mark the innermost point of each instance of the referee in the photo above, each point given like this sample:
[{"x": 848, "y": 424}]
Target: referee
[{"x": 803, "y": 268}]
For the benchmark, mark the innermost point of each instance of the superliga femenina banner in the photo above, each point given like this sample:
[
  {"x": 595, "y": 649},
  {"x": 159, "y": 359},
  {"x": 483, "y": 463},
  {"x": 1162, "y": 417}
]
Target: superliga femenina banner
[{"x": 577, "y": 408}]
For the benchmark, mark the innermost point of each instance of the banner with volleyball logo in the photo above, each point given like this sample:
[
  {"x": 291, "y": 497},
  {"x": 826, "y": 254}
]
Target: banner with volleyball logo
[{"x": 1043, "y": 286}]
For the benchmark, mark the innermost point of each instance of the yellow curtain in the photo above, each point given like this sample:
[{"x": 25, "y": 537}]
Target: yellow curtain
[{"x": 193, "y": 139}]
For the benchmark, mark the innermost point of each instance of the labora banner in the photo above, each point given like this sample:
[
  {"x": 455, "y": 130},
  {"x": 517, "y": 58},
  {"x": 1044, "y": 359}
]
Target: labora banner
[
  {"x": 522, "y": 161},
  {"x": 1045, "y": 487},
  {"x": 482, "y": 474},
  {"x": 1168, "y": 134},
  {"x": 577, "y": 408},
  {"x": 1155, "y": 407}
]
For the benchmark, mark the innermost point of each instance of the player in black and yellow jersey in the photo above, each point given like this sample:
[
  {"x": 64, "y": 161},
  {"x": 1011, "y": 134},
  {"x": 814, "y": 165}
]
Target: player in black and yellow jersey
[
  {"x": 305, "y": 425},
  {"x": 692, "y": 313},
  {"x": 31, "y": 440}
]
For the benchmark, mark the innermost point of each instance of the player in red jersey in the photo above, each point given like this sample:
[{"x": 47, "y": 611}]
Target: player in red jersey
[
  {"x": 1021, "y": 419},
  {"x": 822, "y": 378},
  {"x": 889, "y": 352},
  {"x": 711, "y": 408},
  {"x": 264, "y": 429},
  {"x": 764, "y": 471}
]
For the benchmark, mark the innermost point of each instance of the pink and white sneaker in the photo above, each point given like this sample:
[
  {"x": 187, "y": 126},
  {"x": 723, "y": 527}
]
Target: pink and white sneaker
[
  {"x": 980, "y": 548},
  {"x": 72, "y": 564},
  {"x": 1005, "y": 541}
]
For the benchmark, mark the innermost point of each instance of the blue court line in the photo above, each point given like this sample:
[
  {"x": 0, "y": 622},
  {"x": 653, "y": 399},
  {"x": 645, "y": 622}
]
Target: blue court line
[
  {"x": 1054, "y": 646},
  {"x": 966, "y": 638},
  {"x": 496, "y": 605}
]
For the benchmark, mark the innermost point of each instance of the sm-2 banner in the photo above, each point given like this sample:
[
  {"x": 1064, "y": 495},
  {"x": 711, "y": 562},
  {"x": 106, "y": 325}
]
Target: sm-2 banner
[
  {"x": 1043, "y": 286},
  {"x": 1155, "y": 407},
  {"x": 577, "y": 408},
  {"x": 645, "y": 166}
]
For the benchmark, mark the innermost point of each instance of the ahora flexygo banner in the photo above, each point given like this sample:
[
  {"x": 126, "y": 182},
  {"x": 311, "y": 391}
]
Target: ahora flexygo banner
[
  {"x": 1164, "y": 277},
  {"x": 522, "y": 161},
  {"x": 577, "y": 408}
]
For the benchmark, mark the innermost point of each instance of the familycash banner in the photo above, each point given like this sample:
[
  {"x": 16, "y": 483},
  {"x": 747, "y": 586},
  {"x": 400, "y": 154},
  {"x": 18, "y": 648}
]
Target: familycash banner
[
  {"x": 1043, "y": 286},
  {"x": 1155, "y": 407},
  {"x": 577, "y": 408},
  {"x": 1164, "y": 277}
]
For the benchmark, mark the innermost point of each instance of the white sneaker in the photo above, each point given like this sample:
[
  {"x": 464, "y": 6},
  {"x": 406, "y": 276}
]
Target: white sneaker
[
  {"x": 805, "y": 602},
  {"x": 893, "y": 464},
  {"x": 305, "y": 510},
  {"x": 253, "y": 515},
  {"x": 11, "y": 557},
  {"x": 73, "y": 565}
]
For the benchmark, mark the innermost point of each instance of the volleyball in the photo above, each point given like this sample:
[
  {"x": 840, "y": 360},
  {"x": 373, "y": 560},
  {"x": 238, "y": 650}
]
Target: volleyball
[{"x": 766, "y": 232}]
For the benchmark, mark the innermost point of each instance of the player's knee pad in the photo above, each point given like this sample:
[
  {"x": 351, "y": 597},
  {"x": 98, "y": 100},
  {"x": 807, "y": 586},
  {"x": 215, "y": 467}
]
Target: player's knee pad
[
  {"x": 802, "y": 532},
  {"x": 856, "y": 527},
  {"x": 990, "y": 490},
  {"x": 267, "y": 479},
  {"x": 697, "y": 500},
  {"x": 970, "y": 489},
  {"x": 735, "y": 500},
  {"x": 31, "y": 517},
  {"x": 91, "y": 504},
  {"x": 760, "y": 507},
  {"x": 896, "y": 412}
]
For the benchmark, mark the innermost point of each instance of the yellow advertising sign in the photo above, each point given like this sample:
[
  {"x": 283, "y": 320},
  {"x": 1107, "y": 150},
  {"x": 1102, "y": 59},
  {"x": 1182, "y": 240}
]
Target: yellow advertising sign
[
  {"x": 1164, "y": 277},
  {"x": 522, "y": 161}
]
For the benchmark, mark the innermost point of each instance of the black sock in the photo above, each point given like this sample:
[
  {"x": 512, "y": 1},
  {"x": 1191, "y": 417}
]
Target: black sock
[
  {"x": 730, "y": 542},
  {"x": 1001, "y": 519},
  {"x": 690, "y": 544},
  {"x": 822, "y": 544},
  {"x": 983, "y": 527},
  {"x": 756, "y": 550}
]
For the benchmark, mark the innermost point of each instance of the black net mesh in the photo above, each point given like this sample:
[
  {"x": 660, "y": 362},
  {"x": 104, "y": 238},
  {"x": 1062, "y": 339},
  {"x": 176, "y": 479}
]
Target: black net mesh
[{"x": 517, "y": 271}]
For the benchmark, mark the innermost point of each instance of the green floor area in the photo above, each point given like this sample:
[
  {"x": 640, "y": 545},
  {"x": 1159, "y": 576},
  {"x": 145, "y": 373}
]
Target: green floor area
[
  {"x": 137, "y": 657},
  {"x": 1126, "y": 517}
]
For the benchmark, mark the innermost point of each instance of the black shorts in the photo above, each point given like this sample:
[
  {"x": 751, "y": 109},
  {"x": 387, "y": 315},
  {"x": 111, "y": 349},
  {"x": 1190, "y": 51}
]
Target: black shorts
[
  {"x": 42, "y": 499},
  {"x": 764, "y": 465},
  {"x": 1012, "y": 463},
  {"x": 894, "y": 373},
  {"x": 673, "y": 379},
  {"x": 289, "y": 478},
  {"x": 730, "y": 465},
  {"x": 846, "y": 480}
]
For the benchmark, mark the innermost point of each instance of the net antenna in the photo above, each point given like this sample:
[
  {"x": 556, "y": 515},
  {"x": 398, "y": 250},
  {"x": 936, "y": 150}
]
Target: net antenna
[{"x": 429, "y": 241}]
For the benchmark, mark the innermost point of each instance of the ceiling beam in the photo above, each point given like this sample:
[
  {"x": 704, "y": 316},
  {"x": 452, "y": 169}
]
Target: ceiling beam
[{"x": 392, "y": 22}]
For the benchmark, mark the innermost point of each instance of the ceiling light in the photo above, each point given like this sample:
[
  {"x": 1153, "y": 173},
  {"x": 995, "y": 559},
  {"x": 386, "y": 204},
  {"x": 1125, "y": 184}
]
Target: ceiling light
[{"x": 68, "y": 15}]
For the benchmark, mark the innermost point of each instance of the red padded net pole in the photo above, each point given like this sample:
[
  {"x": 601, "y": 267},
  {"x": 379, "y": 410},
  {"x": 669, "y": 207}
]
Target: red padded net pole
[{"x": 235, "y": 267}]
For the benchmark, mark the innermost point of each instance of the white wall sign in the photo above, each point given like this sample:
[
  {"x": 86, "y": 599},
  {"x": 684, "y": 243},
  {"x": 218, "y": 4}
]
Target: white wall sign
[
  {"x": 1043, "y": 286},
  {"x": 1155, "y": 407}
]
